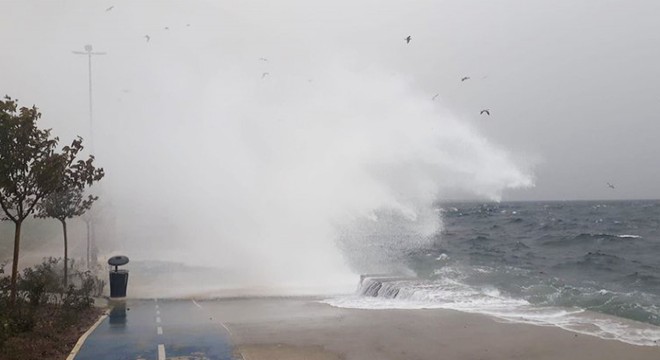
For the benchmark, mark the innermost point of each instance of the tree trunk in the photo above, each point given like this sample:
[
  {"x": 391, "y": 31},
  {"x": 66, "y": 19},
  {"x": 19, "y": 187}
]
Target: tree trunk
[
  {"x": 93, "y": 257},
  {"x": 66, "y": 255},
  {"x": 14, "y": 264},
  {"x": 88, "y": 246}
]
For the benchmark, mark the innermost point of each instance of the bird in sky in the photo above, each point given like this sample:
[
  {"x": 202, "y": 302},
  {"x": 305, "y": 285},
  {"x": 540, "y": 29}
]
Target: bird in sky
[
  {"x": 110, "y": 8},
  {"x": 408, "y": 39},
  {"x": 434, "y": 96},
  {"x": 610, "y": 186},
  {"x": 166, "y": 28},
  {"x": 147, "y": 37},
  {"x": 264, "y": 75},
  {"x": 465, "y": 78},
  {"x": 485, "y": 111},
  {"x": 187, "y": 25},
  {"x": 263, "y": 59}
]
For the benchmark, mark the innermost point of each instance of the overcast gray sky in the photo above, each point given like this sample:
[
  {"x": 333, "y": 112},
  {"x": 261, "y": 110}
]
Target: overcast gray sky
[
  {"x": 212, "y": 153},
  {"x": 572, "y": 85}
]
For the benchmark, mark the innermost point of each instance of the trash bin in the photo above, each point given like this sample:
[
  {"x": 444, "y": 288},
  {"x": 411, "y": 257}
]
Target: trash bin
[
  {"x": 118, "y": 278},
  {"x": 118, "y": 283}
]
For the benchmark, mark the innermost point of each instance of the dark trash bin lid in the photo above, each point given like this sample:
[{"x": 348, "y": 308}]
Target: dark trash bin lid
[{"x": 118, "y": 260}]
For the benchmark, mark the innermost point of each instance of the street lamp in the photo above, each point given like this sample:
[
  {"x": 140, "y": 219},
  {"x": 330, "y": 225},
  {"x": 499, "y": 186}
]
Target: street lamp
[
  {"x": 88, "y": 51},
  {"x": 91, "y": 246}
]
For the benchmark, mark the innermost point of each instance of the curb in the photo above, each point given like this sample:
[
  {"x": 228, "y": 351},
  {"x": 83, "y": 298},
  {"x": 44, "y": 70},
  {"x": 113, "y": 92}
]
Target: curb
[{"x": 84, "y": 336}]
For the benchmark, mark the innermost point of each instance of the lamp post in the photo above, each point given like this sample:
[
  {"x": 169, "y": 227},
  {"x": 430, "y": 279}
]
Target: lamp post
[
  {"x": 90, "y": 224},
  {"x": 88, "y": 51}
]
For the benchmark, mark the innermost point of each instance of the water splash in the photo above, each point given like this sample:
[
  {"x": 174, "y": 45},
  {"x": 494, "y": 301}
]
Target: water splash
[{"x": 267, "y": 176}]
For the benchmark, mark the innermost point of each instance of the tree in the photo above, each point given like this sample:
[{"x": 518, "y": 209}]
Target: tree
[
  {"x": 61, "y": 205},
  {"x": 31, "y": 168}
]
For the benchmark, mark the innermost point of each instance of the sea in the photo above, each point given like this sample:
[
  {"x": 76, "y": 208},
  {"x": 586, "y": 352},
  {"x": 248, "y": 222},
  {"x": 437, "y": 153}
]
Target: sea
[{"x": 591, "y": 267}]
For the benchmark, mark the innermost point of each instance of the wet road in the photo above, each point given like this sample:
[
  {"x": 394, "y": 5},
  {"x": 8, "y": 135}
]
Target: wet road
[{"x": 158, "y": 329}]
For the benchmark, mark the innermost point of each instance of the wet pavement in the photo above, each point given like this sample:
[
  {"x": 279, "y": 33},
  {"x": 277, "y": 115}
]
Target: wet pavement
[{"x": 158, "y": 329}]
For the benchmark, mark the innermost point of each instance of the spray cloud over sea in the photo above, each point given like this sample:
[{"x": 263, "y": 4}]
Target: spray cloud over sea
[
  {"x": 269, "y": 145},
  {"x": 276, "y": 172}
]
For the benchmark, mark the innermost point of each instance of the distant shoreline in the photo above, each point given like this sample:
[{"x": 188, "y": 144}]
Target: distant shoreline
[{"x": 486, "y": 201}]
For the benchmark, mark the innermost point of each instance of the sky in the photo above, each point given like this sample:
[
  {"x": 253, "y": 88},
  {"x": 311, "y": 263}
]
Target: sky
[
  {"x": 245, "y": 120},
  {"x": 571, "y": 86}
]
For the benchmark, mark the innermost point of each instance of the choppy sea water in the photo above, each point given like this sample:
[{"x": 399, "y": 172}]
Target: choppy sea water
[{"x": 589, "y": 267}]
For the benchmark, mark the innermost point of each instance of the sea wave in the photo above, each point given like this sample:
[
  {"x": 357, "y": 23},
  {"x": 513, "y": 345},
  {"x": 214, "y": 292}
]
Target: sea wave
[
  {"x": 627, "y": 236},
  {"x": 391, "y": 292}
]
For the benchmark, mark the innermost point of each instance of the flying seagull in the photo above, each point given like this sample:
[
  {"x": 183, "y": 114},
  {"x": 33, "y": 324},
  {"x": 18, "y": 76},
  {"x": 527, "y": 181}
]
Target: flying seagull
[
  {"x": 610, "y": 186},
  {"x": 188, "y": 25},
  {"x": 110, "y": 8},
  {"x": 147, "y": 37},
  {"x": 434, "y": 96},
  {"x": 166, "y": 28},
  {"x": 465, "y": 78},
  {"x": 263, "y": 59},
  {"x": 408, "y": 39},
  {"x": 264, "y": 75},
  {"x": 485, "y": 111}
]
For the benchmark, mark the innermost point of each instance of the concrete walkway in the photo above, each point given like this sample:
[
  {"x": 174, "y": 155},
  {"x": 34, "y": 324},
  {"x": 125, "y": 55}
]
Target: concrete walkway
[{"x": 157, "y": 329}]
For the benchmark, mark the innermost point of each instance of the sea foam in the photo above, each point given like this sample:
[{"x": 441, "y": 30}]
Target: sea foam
[{"x": 393, "y": 293}]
